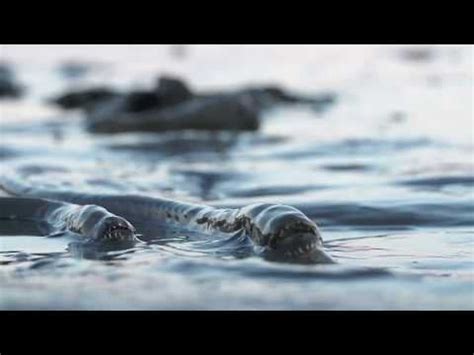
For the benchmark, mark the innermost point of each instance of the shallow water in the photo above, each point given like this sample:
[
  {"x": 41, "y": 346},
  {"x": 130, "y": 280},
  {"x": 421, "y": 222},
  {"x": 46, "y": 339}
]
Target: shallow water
[{"x": 386, "y": 172}]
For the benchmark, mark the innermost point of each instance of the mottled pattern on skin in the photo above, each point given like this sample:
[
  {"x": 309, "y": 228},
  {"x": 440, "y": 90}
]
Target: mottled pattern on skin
[{"x": 278, "y": 232}]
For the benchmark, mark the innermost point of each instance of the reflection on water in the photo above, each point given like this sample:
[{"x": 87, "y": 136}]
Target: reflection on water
[{"x": 387, "y": 173}]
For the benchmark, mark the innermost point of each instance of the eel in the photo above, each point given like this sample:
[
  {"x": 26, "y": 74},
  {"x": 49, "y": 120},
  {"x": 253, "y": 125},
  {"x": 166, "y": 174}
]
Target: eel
[
  {"x": 277, "y": 232},
  {"x": 90, "y": 221}
]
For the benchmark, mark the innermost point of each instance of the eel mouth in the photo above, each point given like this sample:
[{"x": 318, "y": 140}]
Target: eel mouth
[
  {"x": 116, "y": 229},
  {"x": 299, "y": 243}
]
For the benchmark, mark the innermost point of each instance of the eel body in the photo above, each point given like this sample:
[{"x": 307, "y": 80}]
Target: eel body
[{"x": 278, "y": 232}]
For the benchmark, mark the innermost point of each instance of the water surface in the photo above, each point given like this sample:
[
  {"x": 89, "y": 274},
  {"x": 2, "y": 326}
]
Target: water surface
[{"x": 386, "y": 172}]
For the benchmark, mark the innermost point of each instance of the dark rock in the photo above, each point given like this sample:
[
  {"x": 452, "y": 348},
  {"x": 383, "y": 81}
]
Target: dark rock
[
  {"x": 265, "y": 97},
  {"x": 172, "y": 91},
  {"x": 212, "y": 114},
  {"x": 138, "y": 101},
  {"x": 8, "y": 85},
  {"x": 173, "y": 106},
  {"x": 84, "y": 98}
]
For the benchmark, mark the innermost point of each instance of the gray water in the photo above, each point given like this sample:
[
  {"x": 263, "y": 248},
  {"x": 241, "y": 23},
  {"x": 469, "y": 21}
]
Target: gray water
[{"x": 386, "y": 172}]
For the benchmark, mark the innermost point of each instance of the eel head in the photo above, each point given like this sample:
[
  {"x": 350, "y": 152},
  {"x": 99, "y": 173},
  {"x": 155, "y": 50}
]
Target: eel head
[
  {"x": 297, "y": 243},
  {"x": 114, "y": 228},
  {"x": 283, "y": 233}
]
